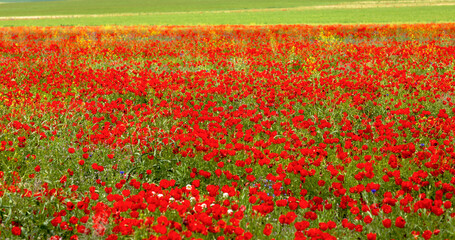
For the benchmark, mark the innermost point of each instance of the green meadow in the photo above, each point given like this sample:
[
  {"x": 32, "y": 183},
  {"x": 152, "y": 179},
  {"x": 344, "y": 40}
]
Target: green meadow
[
  {"x": 215, "y": 12},
  {"x": 33, "y": 8}
]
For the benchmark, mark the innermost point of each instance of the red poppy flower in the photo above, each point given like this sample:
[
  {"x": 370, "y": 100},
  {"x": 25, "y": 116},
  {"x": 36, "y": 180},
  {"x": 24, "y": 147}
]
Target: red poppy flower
[
  {"x": 268, "y": 229},
  {"x": 16, "y": 231},
  {"x": 70, "y": 206},
  {"x": 387, "y": 223},
  {"x": 427, "y": 234},
  {"x": 371, "y": 236},
  {"x": 400, "y": 222}
]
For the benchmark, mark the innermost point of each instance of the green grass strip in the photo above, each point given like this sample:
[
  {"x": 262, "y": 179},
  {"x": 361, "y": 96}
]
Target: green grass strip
[{"x": 427, "y": 14}]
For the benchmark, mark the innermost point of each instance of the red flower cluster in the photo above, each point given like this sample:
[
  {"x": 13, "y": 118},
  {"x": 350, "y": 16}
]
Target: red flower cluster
[{"x": 228, "y": 132}]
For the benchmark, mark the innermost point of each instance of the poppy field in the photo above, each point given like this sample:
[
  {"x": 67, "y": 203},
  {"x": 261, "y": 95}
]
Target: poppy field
[{"x": 227, "y": 132}]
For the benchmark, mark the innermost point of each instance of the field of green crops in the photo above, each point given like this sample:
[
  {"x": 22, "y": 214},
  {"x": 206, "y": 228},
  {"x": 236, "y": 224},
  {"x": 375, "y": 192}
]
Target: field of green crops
[
  {"x": 32, "y": 8},
  {"x": 214, "y": 12}
]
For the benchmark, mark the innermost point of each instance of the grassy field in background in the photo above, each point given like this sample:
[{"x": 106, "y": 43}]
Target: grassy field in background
[
  {"x": 142, "y": 6},
  {"x": 324, "y": 16},
  {"x": 214, "y": 12}
]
